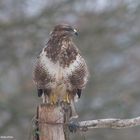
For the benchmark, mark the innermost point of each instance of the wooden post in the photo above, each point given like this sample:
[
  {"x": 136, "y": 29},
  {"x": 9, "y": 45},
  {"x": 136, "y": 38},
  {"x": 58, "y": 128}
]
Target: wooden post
[{"x": 51, "y": 122}]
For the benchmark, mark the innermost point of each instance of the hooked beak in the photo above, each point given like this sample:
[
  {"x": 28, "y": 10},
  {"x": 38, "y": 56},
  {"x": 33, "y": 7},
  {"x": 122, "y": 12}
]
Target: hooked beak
[{"x": 75, "y": 32}]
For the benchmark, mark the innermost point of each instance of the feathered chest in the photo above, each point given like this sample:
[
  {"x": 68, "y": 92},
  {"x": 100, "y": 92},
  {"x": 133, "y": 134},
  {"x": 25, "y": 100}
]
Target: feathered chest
[
  {"x": 63, "y": 67},
  {"x": 62, "y": 52}
]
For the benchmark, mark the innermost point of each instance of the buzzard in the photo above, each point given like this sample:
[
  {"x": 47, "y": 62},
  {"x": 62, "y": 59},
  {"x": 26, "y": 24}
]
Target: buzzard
[{"x": 60, "y": 72}]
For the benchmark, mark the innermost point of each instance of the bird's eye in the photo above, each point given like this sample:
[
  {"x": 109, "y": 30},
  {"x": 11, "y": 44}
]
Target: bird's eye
[{"x": 68, "y": 29}]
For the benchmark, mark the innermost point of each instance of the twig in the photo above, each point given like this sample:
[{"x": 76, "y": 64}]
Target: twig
[
  {"x": 108, "y": 123},
  {"x": 101, "y": 123}
]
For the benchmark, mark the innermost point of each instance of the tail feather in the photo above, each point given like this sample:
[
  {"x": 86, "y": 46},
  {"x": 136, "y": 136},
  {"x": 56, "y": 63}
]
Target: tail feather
[
  {"x": 79, "y": 92},
  {"x": 74, "y": 114}
]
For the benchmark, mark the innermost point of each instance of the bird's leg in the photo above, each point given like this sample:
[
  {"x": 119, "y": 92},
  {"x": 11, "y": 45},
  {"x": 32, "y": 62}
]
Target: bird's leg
[{"x": 46, "y": 95}]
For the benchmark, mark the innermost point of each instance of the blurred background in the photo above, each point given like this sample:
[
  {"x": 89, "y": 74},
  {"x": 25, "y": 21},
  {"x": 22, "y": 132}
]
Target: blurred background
[{"x": 109, "y": 39}]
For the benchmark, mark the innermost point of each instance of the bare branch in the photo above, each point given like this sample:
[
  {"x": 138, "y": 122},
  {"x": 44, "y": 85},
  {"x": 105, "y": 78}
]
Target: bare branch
[{"x": 108, "y": 123}]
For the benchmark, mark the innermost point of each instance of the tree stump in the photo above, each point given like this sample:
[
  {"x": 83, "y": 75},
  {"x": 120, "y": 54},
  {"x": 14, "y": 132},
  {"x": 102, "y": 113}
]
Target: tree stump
[{"x": 51, "y": 122}]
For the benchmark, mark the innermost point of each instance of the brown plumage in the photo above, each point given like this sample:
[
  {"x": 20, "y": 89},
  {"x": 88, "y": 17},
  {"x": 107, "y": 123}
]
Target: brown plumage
[{"x": 60, "y": 72}]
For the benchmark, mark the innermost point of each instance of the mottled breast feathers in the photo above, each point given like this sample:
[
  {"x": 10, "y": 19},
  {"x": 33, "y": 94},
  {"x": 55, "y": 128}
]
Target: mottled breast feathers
[{"x": 60, "y": 66}]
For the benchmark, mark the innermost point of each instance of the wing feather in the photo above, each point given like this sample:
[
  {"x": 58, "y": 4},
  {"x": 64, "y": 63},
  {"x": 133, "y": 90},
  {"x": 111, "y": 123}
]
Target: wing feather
[
  {"x": 79, "y": 74},
  {"x": 41, "y": 75}
]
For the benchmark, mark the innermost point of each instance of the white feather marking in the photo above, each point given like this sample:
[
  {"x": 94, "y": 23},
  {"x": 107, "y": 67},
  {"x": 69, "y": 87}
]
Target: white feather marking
[
  {"x": 52, "y": 68},
  {"x": 44, "y": 98},
  {"x": 60, "y": 74},
  {"x": 73, "y": 66}
]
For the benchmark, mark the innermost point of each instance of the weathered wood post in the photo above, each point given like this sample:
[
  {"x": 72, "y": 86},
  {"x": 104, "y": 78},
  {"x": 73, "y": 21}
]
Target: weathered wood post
[{"x": 51, "y": 122}]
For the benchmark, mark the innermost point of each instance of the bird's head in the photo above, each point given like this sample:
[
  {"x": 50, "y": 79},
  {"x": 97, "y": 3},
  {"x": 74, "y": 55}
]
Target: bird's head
[{"x": 64, "y": 30}]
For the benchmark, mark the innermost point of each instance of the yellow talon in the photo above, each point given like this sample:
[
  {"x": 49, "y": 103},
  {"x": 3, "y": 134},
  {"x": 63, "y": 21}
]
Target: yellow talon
[
  {"x": 53, "y": 99},
  {"x": 66, "y": 98}
]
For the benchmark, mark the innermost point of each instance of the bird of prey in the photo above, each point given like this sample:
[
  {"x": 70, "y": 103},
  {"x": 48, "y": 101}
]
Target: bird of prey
[{"x": 60, "y": 72}]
